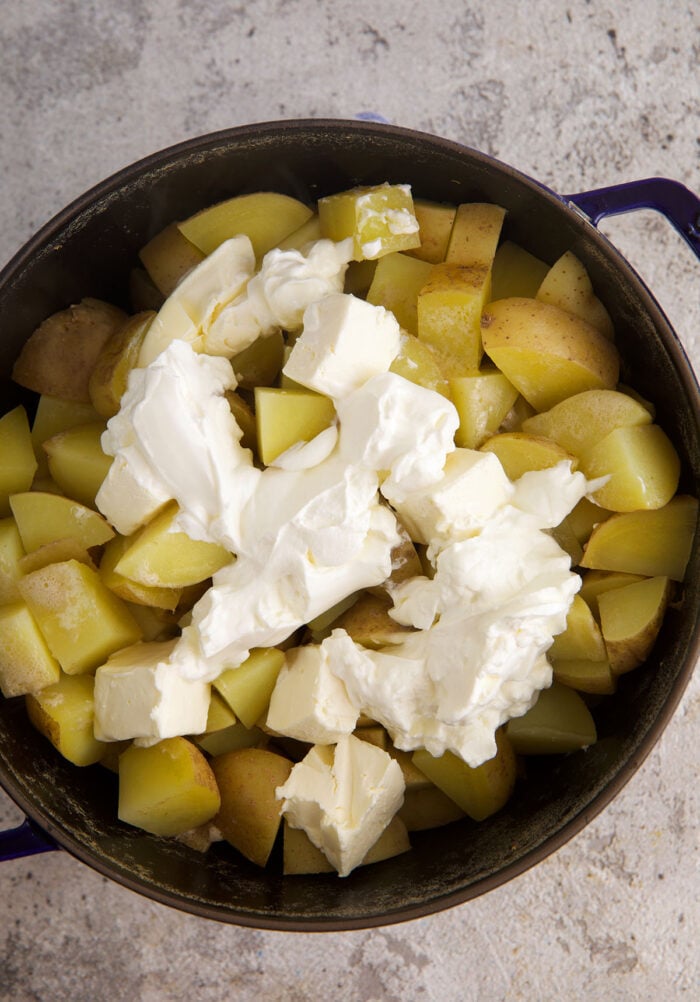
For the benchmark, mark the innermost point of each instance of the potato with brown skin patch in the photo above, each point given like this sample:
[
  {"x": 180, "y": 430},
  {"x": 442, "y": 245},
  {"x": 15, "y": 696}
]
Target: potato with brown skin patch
[{"x": 59, "y": 357}]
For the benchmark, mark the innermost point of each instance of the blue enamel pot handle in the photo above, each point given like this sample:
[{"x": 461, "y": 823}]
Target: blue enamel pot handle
[{"x": 682, "y": 209}]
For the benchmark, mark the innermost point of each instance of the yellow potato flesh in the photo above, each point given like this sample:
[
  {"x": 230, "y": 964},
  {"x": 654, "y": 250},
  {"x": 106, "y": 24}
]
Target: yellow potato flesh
[
  {"x": 64, "y": 713},
  {"x": 54, "y": 415},
  {"x": 285, "y": 417},
  {"x": 306, "y": 233},
  {"x": 18, "y": 464},
  {"x": 585, "y": 676},
  {"x": 300, "y": 855},
  {"x": 581, "y": 639},
  {"x": 643, "y": 465},
  {"x": 26, "y": 663},
  {"x": 630, "y": 619},
  {"x": 265, "y": 217},
  {"x": 250, "y": 815},
  {"x": 428, "y": 807},
  {"x": 516, "y": 272},
  {"x": 420, "y": 364},
  {"x": 11, "y": 552},
  {"x": 566, "y": 537},
  {"x": 369, "y": 624},
  {"x": 449, "y": 314},
  {"x": 396, "y": 283},
  {"x": 519, "y": 452},
  {"x": 567, "y": 285},
  {"x": 77, "y": 463},
  {"x": 482, "y": 401},
  {"x": 220, "y": 714},
  {"x": 559, "y": 722},
  {"x": 231, "y": 738},
  {"x": 595, "y": 583},
  {"x": 475, "y": 233},
  {"x": 245, "y": 419},
  {"x": 117, "y": 358},
  {"x": 546, "y": 353},
  {"x": 82, "y": 621},
  {"x": 368, "y": 215},
  {"x": 42, "y": 518},
  {"x": 160, "y": 556},
  {"x": 480, "y": 791},
  {"x": 157, "y": 597},
  {"x": 168, "y": 257},
  {"x": 53, "y": 553},
  {"x": 259, "y": 364},
  {"x": 166, "y": 789},
  {"x": 247, "y": 689},
  {"x": 651, "y": 543},
  {"x": 581, "y": 421},
  {"x": 584, "y": 518},
  {"x": 435, "y": 221}
]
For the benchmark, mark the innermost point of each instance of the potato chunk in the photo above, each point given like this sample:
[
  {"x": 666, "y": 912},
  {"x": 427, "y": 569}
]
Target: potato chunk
[
  {"x": 568, "y": 286},
  {"x": 580, "y": 422},
  {"x": 516, "y": 272},
  {"x": 42, "y": 518},
  {"x": 64, "y": 713},
  {"x": 581, "y": 638},
  {"x": 379, "y": 218},
  {"x": 26, "y": 663},
  {"x": 519, "y": 452},
  {"x": 119, "y": 355},
  {"x": 482, "y": 400},
  {"x": 559, "y": 722},
  {"x": 60, "y": 355},
  {"x": 643, "y": 465},
  {"x": 435, "y": 221},
  {"x": 18, "y": 464},
  {"x": 82, "y": 620},
  {"x": 396, "y": 283},
  {"x": 247, "y": 689},
  {"x": 285, "y": 417},
  {"x": 168, "y": 257},
  {"x": 630, "y": 618},
  {"x": 77, "y": 463},
  {"x": 266, "y": 217},
  {"x": 166, "y": 789},
  {"x": 546, "y": 353},
  {"x": 11, "y": 552}
]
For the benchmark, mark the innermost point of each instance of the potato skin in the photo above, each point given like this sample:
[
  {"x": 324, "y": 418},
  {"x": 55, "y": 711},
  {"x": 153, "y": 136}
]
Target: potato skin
[{"x": 60, "y": 355}]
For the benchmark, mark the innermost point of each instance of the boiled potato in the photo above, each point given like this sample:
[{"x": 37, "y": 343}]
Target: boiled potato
[
  {"x": 26, "y": 663},
  {"x": 300, "y": 855},
  {"x": 166, "y": 789},
  {"x": 231, "y": 738},
  {"x": 119, "y": 355},
  {"x": 285, "y": 417},
  {"x": 566, "y": 538},
  {"x": 449, "y": 312},
  {"x": 77, "y": 463},
  {"x": 435, "y": 221},
  {"x": 474, "y": 237},
  {"x": 480, "y": 791},
  {"x": 546, "y": 353},
  {"x": 250, "y": 813},
  {"x": 143, "y": 293},
  {"x": 643, "y": 465},
  {"x": 266, "y": 217},
  {"x": 64, "y": 713},
  {"x": 153, "y": 596},
  {"x": 483, "y": 399},
  {"x": 18, "y": 460},
  {"x": 247, "y": 688},
  {"x": 519, "y": 452},
  {"x": 516, "y": 272},
  {"x": 369, "y": 624},
  {"x": 52, "y": 416},
  {"x": 379, "y": 218},
  {"x": 582, "y": 637},
  {"x": 11, "y": 552},
  {"x": 595, "y": 677},
  {"x": 59, "y": 357},
  {"x": 559, "y": 722},
  {"x": 585, "y": 517},
  {"x": 220, "y": 714},
  {"x": 42, "y": 518},
  {"x": 568, "y": 286},
  {"x": 245, "y": 418},
  {"x": 53, "y": 553},
  {"x": 651, "y": 543},
  {"x": 160, "y": 556},
  {"x": 306, "y": 233},
  {"x": 420, "y": 364},
  {"x": 581, "y": 421},
  {"x": 168, "y": 257},
  {"x": 595, "y": 583},
  {"x": 630, "y": 619},
  {"x": 428, "y": 807},
  {"x": 259, "y": 364},
  {"x": 396, "y": 283},
  {"x": 82, "y": 621}
]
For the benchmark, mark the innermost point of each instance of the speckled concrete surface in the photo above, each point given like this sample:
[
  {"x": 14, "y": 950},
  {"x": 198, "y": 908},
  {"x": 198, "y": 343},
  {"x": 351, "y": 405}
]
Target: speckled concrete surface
[{"x": 579, "y": 94}]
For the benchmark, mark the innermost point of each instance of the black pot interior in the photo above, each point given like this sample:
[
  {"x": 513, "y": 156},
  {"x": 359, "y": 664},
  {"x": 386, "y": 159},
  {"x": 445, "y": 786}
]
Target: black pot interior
[{"x": 89, "y": 250}]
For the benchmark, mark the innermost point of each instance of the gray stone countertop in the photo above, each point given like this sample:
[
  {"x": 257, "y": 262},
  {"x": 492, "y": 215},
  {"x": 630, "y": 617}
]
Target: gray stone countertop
[{"x": 578, "y": 94}]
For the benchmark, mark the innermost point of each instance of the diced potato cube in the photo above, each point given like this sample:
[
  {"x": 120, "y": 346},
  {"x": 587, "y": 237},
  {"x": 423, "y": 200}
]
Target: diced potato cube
[
  {"x": 643, "y": 465},
  {"x": 379, "y": 218},
  {"x": 159, "y": 556},
  {"x": 11, "y": 552},
  {"x": 581, "y": 638},
  {"x": 168, "y": 257},
  {"x": 480, "y": 791},
  {"x": 285, "y": 417},
  {"x": 516, "y": 272},
  {"x": 52, "y": 416},
  {"x": 584, "y": 517},
  {"x": 630, "y": 619},
  {"x": 260, "y": 363},
  {"x": 155, "y": 596},
  {"x": 397, "y": 281},
  {"x": 369, "y": 624},
  {"x": 245, "y": 419},
  {"x": 475, "y": 234},
  {"x": 546, "y": 353},
  {"x": 568, "y": 286},
  {"x": 419, "y": 363},
  {"x": 77, "y": 463},
  {"x": 449, "y": 314},
  {"x": 580, "y": 422},
  {"x": 482, "y": 399},
  {"x": 651, "y": 543},
  {"x": 250, "y": 813},
  {"x": 42, "y": 518},
  {"x": 428, "y": 807},
  {"x": 266, "y": 217},
  {"x": 307, "y": 233},
  {"x": 166, "y": 789},
  {"x": 220, "y": 714},
  {"x": 559, "y": 722},
  {"x": 231, "y": 739},
  {"x": 64, "y": 713},
  {"x": 119, "y": 355},
  {"x": 26, "y": 663},
  {"x": 82, "y": 620},
  {"x": 519, "y": 452},
  {"x": 585, "y": 676},
  {"x": 247, "y": 689},
  {"x": 300, "y": 855},
  {"x": 596, "y": 583},
  {"x": 19, "y": 463},
  {"x": 54, "y": 553},
  {"x": 435, "y": 221}
]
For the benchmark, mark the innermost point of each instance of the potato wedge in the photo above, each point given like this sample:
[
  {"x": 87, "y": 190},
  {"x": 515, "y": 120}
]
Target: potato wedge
[
  {"x": 397, "y": 281},
  {"x": 26, "y": 663},
  {"x": 435, "y": 221},
  {"x": 18, "y": 464},
  {"x": 559, "y": 722},
  {"x": 119, "y": 355},
  {"x": 581, "y": 421},
  {"x": 64, "y": 713},
  {"x": 266, "y": 217},
  {"x": 516, "y": 272},
  {"x": 630, "y": 620},
  {"x": 168, "y": 257},
  {"x": 77, "y": 463},
  {"x": 519, "y": 452},
  {"x": 567, "y": 285},
  {"x": 643, "y": 466}
]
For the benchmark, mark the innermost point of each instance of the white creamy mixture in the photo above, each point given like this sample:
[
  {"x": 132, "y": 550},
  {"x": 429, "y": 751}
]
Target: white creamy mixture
[{"x": 319, "y": 526}]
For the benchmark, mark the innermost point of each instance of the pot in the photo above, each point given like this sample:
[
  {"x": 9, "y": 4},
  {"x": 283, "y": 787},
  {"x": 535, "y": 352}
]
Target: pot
[{"x": 88, "y": 249}]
